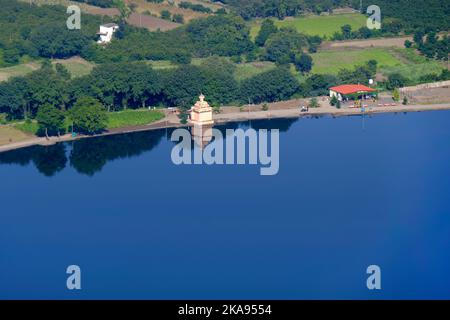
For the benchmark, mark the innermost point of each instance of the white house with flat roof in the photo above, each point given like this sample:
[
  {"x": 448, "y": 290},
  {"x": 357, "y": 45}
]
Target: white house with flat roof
[{"x": 106, "y": 32}]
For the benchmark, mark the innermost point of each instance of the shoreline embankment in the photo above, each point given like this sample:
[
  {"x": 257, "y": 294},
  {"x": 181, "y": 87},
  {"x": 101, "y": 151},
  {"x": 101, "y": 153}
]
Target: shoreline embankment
[{"x": 242, "y": 115}]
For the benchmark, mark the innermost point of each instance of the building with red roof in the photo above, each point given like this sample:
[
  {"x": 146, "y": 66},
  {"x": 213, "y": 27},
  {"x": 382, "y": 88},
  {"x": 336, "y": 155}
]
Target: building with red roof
[{"x": 352, "y": 91}]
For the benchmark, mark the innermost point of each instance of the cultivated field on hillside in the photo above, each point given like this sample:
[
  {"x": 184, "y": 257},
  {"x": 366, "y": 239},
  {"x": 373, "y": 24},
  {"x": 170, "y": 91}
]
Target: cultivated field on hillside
[
  {"x": 324, "y": 26},
  {"x": 398, "y": 42},
  {"x": 18, "y": 70},
  {"x": 243, "y": 70},
  {"x": 390, "y": 60},
  {"x": 136, "y": 19},
  {"x": 332, "y": 61},
  {"x": 412, "y": 66},
  {"x": 77, "y": 66},
  {"x": 172, "y": 7},
  {"x": 250, "y": 69}
]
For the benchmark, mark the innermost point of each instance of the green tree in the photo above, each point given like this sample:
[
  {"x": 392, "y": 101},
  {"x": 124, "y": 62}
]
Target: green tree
[
  {"x": 365, "y": 32},
  {"x": 45, "y": 87},
  {"x": 183, "y": 85},
  {"x": 267, "y": 28},
  {"x": 166, "y": 15},
  {"x": 183, "y": 115},
  {"x": 313, "y": 103},
  {"x": 396, "y": 95},
  {"x": 62, "y": 71},
  {"x": 178, "y": 18},
  {"x": 56, "y": 41},
  {"x": 405, "y": 100},
  {"x": 11, "y": 55},
  {"x": 418, "y": 37},
  {"x": 303, "y": 63},
  {"x": 224, "y": 35},
  {"x": 282, "y": 46},
  {"x": 396, "y": 80},
  {"x": 50, "y": 120},
  {"x": 318, "y": 85},
  {"x": 124, "y": 10},
  {"x": 88, "y": 115},
  {"x": 408, "y": 44},
  {"x": 347, "y": 31},
  {"x": 14, "y": 97},
  {"x": 274, "y": 85},
  {"x": 333, "y": 101}
]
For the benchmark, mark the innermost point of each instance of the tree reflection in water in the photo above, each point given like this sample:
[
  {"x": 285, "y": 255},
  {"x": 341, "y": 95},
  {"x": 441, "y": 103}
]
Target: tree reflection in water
[
  {"x": 89, "y": 156},
  {"x": 86, "y": 156}
]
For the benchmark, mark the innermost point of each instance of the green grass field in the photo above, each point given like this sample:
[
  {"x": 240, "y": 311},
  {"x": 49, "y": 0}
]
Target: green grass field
[
  {"x": 19, "y": 70},
  {"x": 161, "y": 64},
  {"x": 133, "y": 118},
  {"x": 390, "y": 60},
  {"x": 115, "y": 120},
  {"x": 414, "y": 71},
  {"x": 77, "y": 67},
  {"x": 332, "y": 61},
  {"x": 243, "y": 70},
  {"x": 324, "y": 26},
  {"x": 248, "y": 70}
]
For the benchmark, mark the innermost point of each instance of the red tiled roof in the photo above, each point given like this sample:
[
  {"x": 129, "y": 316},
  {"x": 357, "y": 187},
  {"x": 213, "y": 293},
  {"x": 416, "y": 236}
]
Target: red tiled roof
[{"x": 352, "y": 88}]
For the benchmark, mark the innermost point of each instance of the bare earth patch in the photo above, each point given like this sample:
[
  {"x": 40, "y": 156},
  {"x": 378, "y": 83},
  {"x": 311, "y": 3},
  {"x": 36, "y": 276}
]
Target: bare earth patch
[
  {"x": 136, "y": 18},
  {"x": 150, "y": 22},
  {"x": 9, "y": 135},
  {"x": 156, "y": 8},
  {"x": 430, "y": 95},
  {"x": 370, "y": 43}
]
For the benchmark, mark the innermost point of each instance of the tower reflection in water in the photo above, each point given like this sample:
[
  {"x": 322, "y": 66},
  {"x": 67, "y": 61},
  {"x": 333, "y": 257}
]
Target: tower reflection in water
[{"x": 201, "y": 118}]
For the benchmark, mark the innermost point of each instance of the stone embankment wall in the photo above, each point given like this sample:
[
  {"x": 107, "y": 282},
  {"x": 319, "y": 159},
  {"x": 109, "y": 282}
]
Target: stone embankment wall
[{"x": 440, "y": 84}]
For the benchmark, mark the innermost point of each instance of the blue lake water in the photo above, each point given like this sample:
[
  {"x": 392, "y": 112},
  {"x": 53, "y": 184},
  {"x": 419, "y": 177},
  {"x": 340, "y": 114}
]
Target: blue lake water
[{"x": 351, "y": 192}]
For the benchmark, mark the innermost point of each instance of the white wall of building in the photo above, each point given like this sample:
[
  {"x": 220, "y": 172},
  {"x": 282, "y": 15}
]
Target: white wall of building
[{"x": 106, "y": 33}]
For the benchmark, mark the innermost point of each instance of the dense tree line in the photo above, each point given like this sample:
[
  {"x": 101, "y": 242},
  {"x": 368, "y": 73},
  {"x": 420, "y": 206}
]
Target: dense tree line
[
  {"x": 270, "y": 86},
  {"x": 98, "y": 3},
  {"x": 406, "y": 14},
  {"x": 286, "y": 45},
  {"x": 412, "y": 15},
  {"x": 281, "y": 8},
  {"x": 194, "y": 6},
  {"x": 401, "y": 15},
  {"x": 117, "y": 86},
  {"x": 430, "y": 45},
  {"x": 223, "y": 35},
  {"x": 388, "y": 29},
  {"x": 41, "y": 31}
]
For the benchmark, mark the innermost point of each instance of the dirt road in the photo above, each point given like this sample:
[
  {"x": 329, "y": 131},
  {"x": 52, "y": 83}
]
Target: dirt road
[{"x": 369, "y": 43}]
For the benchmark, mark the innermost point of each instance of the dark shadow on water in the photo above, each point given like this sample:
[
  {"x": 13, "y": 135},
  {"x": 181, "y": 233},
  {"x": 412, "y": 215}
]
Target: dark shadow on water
[
  {"x": 89, "y": 156},
  {"x": 48, "y": 160},
  {"x": 86, "y": 156}
]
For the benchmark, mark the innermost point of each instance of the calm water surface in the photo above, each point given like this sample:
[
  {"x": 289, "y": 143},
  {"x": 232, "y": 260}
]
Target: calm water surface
[{"x": 351, "y": 192}]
